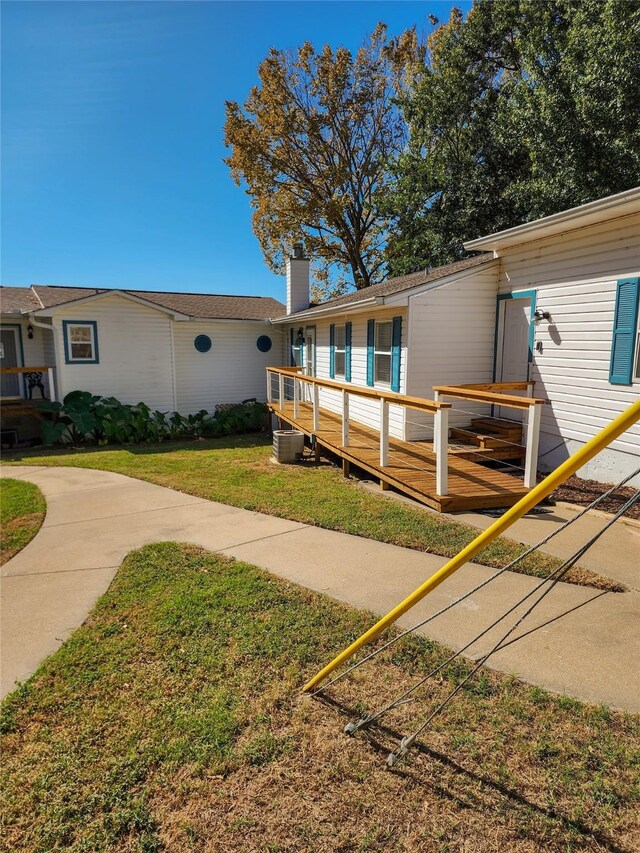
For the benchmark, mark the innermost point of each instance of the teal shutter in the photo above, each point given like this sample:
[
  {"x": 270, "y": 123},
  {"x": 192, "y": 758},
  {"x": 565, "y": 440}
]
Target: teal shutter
[
  {"x": 332, "y": 351},
  {"x": 292, "y": 351},
  {"x": 371, "y": 339},
  {"x": 396, "y": 342},
  {"x": 625, "y": 321},
  {"x": 347, "y": 352}
]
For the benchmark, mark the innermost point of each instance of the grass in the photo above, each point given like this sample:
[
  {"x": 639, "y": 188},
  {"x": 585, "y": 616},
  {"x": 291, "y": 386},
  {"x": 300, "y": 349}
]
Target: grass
[
  {"x": 237, "y": 471},
  {"x": 22, "y": 510},
  {"x": 172, "y": 720}
]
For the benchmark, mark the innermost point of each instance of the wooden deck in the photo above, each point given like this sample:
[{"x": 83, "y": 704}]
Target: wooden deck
[{"x": 412, "y": 465}]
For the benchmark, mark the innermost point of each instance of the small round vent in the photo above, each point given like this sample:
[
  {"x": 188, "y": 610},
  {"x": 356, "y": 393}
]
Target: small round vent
[
  {"x": 202, "y": 343},
  {"x": 264, "y": 343}
]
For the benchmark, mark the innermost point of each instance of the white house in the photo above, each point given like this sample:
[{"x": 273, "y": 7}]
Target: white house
[
  {"x": 174, "y": 351},
  {"x": 554, "y": 301}
]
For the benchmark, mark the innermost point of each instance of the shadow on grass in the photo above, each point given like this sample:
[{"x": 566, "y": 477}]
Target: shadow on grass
[
  {"x": 384, "y": 739},
  {"x": 229, "y": 442}
]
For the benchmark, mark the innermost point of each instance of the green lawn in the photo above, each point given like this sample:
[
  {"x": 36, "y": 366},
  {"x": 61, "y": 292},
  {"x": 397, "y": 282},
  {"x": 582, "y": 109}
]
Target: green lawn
[
  {"x": 22, "y": 510},
  {"x": 172, "y": 720},
  {"x": 237, "y": 471}
]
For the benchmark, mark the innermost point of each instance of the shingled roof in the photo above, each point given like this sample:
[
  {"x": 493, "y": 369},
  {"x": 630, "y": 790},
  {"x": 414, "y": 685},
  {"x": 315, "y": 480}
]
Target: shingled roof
[
  {"x": 400, "y": 283},
  {"x": 207, "y": 306},
  {"x": 16, "y": 300}
]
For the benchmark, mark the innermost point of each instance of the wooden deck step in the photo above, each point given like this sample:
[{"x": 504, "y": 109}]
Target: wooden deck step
[
  {"x": 499, "y": 425},
  {"x": 485, "y": 455},
  {"x": 484, "y": 439}
]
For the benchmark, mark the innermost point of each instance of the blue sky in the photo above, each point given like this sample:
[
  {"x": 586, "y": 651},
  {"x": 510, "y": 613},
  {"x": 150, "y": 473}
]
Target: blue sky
[{"x": 112, "y": 116}]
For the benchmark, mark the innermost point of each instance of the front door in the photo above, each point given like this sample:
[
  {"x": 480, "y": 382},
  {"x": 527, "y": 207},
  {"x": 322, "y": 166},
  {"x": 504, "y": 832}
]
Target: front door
[
  {"x": 9, "y": 357},
  {"x": 513, "y": 354},
  {"x": 310, "y": 351},
  {"x": 309, "y": 359}
]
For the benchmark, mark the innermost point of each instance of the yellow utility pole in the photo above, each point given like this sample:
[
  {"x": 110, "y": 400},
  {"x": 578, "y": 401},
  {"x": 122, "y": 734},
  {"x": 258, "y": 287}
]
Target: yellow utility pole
[{"x": 622, "y": 423}]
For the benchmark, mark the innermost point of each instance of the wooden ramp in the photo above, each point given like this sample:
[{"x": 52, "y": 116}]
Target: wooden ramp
[{"x": 412, "y": 465}]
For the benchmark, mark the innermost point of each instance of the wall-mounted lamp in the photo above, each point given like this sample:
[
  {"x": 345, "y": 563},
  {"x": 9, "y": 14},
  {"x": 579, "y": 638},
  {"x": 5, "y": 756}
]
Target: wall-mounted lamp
[
  {"x": 300, "y": 337},
  {"x": 30, "y": 331},
  {"x": 541, "y": 315}
]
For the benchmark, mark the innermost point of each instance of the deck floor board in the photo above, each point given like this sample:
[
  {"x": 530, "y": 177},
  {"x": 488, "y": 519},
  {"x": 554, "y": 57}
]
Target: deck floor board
[{"x": 412, "y": 465}]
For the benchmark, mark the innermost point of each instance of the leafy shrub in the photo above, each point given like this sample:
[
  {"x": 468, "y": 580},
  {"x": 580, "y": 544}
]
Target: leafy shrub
[{"x": 83, "y": 417}]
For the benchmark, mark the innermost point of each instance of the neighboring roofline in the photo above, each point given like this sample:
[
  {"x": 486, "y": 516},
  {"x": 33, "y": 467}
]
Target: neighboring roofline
[
  {"x": 391, "y": 299},
  {"x": 557, "y": 223},
  {"x": 81, "y": 300},
  {"x": 320, "y": 311},
  {"x": 135, "y": 291}
]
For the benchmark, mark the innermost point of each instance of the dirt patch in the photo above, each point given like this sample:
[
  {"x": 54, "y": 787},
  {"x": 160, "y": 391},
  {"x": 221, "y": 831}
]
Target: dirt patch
[{"x": 583, "y": 492}]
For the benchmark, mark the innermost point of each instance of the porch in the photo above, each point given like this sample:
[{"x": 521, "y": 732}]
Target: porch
[
  {"x": 442, "y": 475},
  {"x": 21, "y": 389}
]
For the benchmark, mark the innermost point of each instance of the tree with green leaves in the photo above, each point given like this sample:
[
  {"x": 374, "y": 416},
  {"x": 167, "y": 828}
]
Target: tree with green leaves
[
  {"x": 524, "y": 108},
  {"x": 312, "y": 144}
]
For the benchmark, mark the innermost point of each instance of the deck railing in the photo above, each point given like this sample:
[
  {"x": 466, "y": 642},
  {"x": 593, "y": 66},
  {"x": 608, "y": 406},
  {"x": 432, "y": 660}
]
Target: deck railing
[
  {"x": 295, "y": 375},
  {"x": 496, "y": 394},
  {"x": 48, "y": 369}
]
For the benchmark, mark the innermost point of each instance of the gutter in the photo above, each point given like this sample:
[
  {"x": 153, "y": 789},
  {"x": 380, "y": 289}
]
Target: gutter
[
  {"x": 574, "y": 213},
  {"x": 336, "y": 309}
]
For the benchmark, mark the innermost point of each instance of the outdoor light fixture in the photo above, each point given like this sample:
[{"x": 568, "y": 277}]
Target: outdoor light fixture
[
  {"x": 30, "y": 331},
  {"x": 300, "y": 336},
  {"x": 541, "y": 315}
]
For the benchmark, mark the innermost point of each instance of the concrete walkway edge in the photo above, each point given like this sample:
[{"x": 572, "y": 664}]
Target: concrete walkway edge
[{"x": 581, "y": 641}]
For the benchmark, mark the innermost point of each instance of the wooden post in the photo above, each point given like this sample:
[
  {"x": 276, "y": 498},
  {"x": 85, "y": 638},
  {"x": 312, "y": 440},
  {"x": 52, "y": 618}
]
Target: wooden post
[
  {"x": 345, "y": 418},
  {"x": 436, "y": 397},
  {"x": 442, "y": 445},
  {"x": 52, "y": 387},
  {"x": 346, "y": 468},
  {"x": 316, "y": 408},
  {"x": 296, "y": 398},
  {"x": 316, "y": 450},
  {"x": 281, "y": 391},
  {"x": 533, "y": 440},
  {"x": 384, "y": 433}
]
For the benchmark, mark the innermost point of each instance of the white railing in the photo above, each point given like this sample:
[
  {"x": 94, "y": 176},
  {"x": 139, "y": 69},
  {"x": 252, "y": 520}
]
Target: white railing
[
  {"x": 495, "y": 393},
  {"x": 12, "y": 371},
  {"x": 292, "y": 379}
]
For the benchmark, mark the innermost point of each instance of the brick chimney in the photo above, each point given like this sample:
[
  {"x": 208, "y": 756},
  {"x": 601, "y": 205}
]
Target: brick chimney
[{"x": 297, "y": 280}]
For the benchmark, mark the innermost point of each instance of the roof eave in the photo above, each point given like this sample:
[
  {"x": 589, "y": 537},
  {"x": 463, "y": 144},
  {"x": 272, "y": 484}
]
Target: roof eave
[
  {"x": 82, "y": 300},
  {"x": 621, "y": 204},
  {"x": 312, "y": 313}
]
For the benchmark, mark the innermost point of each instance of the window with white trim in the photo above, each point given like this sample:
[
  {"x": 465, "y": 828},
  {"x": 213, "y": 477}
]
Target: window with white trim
[
  {"x": 81, "y": 342},
  {"x": 340, "y": 348},
  {"x": 382, "y": 352}
]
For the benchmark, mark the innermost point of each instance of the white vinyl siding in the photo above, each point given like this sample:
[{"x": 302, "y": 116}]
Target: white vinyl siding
[
  {"x": 134, "y": 348},
  {"x": 575, "y": 277},
  {"x": 234, "y": 368},
  {"x": 451, "y": 343}
]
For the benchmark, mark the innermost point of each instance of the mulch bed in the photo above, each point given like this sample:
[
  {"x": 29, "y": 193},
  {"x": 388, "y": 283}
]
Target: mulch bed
[{"x": 583, "y": 492}]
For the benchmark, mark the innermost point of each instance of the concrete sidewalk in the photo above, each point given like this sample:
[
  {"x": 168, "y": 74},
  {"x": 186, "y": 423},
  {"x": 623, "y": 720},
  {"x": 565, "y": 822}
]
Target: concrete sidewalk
[{"x": 585, "y": 642}]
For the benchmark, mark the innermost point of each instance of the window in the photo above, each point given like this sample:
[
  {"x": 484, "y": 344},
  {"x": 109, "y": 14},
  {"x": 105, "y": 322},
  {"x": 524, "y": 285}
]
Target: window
[
  {"x": 636, "y": 374},
  {"x": 340, "y": 350},
  {"x": 80, "y": 342},
  {"x": 382, "y": 353}
]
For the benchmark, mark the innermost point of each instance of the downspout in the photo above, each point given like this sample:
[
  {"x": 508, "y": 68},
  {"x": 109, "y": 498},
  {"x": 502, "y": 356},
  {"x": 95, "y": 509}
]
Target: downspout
[{"x": 56, "y": 391}]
